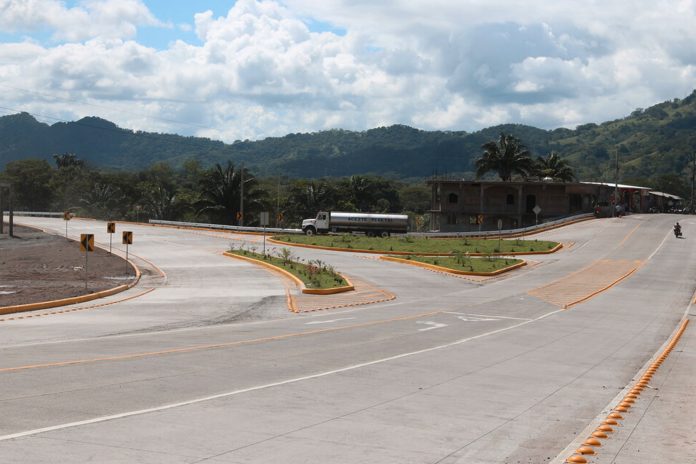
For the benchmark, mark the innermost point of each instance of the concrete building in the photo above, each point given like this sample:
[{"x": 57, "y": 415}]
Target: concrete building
[{"x": 460, "y": 206}]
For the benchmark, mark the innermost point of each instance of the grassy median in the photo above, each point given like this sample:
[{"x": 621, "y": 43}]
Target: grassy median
[
  {"x": 465, "y": 263},
  {"x": 407, "y": 244},
  {"x": 313, "y": 273}
]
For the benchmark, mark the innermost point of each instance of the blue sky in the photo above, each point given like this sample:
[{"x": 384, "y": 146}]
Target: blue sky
[{"x": 250, "y": 69}]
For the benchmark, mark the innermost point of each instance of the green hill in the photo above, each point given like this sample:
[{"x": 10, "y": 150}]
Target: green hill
[{"x": 654, "y": 141}]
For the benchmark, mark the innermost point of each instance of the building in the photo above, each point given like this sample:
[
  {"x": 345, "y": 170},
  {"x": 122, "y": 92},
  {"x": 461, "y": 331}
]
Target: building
[{"x": 461, "y": 206}]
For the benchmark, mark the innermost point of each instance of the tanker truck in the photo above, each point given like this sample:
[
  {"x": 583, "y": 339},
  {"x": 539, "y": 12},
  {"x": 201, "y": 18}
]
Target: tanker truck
[{"x": 372, "y": 225}]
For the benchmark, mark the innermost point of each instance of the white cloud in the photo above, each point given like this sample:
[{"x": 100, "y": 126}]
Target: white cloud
[
  {"x": 92, "y": 18},
  {"x": 260, "y": 71}
]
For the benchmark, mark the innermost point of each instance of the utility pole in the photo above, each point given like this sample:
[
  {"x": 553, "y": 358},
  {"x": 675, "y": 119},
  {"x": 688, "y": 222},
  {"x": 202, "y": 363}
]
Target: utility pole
[
  {"x": 616, "y": 185},
  {"x": 693, "y": 178},
  {"x": 241, "y": 196}
]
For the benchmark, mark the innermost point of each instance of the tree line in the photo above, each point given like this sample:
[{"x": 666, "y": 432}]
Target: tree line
[{"x": 222, "y": 194}]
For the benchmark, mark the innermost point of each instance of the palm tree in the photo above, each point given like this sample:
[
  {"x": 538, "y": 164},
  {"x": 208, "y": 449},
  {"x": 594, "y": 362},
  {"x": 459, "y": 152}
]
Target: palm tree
[
  {"x": 554, "y": 167},
  {"x": 221, "y": 193},
  {"x": 507, "y": 156}
]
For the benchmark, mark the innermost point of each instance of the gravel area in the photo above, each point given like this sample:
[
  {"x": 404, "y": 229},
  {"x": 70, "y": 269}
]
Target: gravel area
[{"x": 35, "y": 266}]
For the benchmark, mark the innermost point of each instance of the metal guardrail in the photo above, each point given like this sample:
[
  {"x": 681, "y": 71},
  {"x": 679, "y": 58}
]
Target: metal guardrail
[
  {"x": 33, "y": 213},
  {"x": 201, "y": 225},
  {"x": 483, "y": 233}
]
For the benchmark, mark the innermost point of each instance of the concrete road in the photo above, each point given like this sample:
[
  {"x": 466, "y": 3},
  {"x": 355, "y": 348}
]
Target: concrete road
[{"x": 202, "y": 362}]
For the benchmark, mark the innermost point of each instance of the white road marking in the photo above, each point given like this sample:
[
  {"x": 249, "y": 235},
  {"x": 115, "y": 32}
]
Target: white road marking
[
  {"x": 165, "y": 407},
  {"x": 330, "y": 321},
  {"x": 433, "y": 325},
  {"x": 485, "y": 317}
]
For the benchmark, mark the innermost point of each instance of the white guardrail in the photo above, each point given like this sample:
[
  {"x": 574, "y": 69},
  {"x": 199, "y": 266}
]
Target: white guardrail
[
  {"x": 33, "y": 213},
  {"x": 272, "y": 230},
  {"x": 276, "y": 230}
]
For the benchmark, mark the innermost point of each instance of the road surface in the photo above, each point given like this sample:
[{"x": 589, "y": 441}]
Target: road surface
[{"x": 203, "y": 362}]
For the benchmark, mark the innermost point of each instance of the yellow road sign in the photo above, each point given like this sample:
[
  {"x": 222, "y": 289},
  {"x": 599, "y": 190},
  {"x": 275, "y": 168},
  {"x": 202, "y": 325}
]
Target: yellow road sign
[
  {"x": 110, "y": 227},
  {"x": 86, "y": 242},
  {"x": 127, "y": 237}
]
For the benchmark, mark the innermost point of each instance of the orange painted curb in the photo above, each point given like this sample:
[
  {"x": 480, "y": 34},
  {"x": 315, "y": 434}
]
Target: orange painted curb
[
  {"x": 452, "y": 271},
  {"x": 294, "y": 278},
  {"x": 407, "y": 253}
]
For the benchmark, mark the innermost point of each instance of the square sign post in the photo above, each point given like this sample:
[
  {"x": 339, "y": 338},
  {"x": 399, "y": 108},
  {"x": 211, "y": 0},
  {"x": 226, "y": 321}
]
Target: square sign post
[
  {"x": 127, "y": 239},
  {"x": 500, "y": 235},
  {"x": 67, "y": 215},
  {"x": 110, "y": 229},
  {"x": 264, "y": 223},
  {"x": 86, "y": 245}
]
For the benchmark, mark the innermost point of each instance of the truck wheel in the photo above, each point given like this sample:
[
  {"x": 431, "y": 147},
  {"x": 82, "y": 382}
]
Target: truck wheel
[
  {"x": 384, "y": 234},
  {"x": 310, "y": 231}
]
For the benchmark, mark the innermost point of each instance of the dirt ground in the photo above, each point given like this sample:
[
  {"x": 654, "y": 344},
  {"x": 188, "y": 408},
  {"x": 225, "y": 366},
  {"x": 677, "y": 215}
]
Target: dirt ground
[{"x": 36, "y": 266}]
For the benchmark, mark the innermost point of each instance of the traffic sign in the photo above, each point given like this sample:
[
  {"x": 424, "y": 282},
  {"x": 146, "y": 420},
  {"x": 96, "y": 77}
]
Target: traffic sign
[
  {"x": 86, "y": 242},
  {"x": 67, "y": 215},
  {"x": 127, "y": 237},
  {"x": 479, "y": 219},
  {"x": 110, "y": 227},
  {"x": 536, "y": 209},
  {"x": 500, "y": 224},
  {"x": 263, "y": 218}
]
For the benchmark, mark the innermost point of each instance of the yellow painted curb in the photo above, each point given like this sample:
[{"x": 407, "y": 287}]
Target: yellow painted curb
[
  {"x": 409, "y": 253},
  {"x": 298, "y": 282},
  {"x": 74, "y": 299},
  {"x": 452, "y": 271}
]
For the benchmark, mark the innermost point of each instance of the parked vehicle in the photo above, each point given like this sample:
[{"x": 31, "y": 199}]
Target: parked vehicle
[{"x": 371, "y": 224}]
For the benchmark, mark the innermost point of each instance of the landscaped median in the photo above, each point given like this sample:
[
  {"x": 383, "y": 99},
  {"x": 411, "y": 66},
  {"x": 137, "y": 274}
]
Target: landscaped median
[
  {"x": 313, "y": 277},
  {"x": 413, "y": 246},
  {"x": 461, "y": 264}
]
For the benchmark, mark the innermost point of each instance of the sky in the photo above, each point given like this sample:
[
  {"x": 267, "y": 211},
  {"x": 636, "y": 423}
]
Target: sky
[{"x": 249, "y": 69}]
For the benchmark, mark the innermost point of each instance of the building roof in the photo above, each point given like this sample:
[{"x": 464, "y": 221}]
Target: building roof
[
  {"x": 621, "y": 186},
  {"x": 665, "y": 195}
]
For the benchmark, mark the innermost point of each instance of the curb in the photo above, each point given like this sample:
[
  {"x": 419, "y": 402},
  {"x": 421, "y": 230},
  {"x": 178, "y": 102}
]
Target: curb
[
  {"x": 408, "y": 253},
  {"x": 433, "y": 267},
  {"x": 298, "y": 282}
]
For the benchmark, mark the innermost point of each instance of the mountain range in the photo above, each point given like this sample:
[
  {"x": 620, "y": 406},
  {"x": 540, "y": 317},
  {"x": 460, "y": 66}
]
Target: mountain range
[{"x": 648, "y": 142}]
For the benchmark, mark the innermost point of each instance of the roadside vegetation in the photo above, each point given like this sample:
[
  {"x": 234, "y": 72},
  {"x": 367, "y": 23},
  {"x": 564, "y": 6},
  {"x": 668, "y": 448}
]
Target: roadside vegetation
[
  {"x": 313, "y": 273},
  {"x": 461, "y": 262},
  {"x": 408, "y": 244}
]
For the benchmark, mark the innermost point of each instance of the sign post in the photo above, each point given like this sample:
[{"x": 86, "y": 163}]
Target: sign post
[
  {"x": 264, "y": 223},
  {"x": 66, "y": 217},
  {"x": 110, "y": 229},
  {"x": 127, "y": 239},
  {"x": 86, "y": 245},
  {"x": 500, "y": 235},
  {"x": 536, "y": 210}
]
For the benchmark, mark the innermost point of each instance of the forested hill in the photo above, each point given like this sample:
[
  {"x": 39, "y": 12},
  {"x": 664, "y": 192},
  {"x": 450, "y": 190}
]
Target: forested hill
[{"x": 652, "y": 141}]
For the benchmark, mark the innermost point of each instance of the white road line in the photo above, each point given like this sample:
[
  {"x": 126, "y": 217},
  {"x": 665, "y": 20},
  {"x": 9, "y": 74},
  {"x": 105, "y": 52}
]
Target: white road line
[
  {"x": 493, "y": 316},
  {"x": 432, "y": 325},
  {"x": 329, "y": 321},
  {"x": 165, "y": 407}
]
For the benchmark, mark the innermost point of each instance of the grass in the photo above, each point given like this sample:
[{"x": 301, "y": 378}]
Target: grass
[
  {"x": 314, "y": 274},
  {"x": 409, "y": 244},
  {"x": 459, "y": 263}
]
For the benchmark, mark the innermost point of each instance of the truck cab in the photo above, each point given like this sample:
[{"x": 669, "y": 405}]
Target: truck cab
[{"x": 317, "y": 225}]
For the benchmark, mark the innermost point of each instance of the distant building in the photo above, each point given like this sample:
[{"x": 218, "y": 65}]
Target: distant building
[{"x": 460, "y": 206}]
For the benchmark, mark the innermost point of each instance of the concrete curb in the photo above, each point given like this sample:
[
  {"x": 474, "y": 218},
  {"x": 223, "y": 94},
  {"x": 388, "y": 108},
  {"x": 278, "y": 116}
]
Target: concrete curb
[
  {"x": 298, "y": 282},
  {"x": 73, "y": 300},
  {"x": 408, "y": 253},
  {"x": 433, "y": 267}
]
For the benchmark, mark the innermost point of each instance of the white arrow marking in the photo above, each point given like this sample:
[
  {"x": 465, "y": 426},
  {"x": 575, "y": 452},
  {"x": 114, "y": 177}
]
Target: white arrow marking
[
  {"x": 433, "y": 325},
  {"x": 329, "y": 321}
]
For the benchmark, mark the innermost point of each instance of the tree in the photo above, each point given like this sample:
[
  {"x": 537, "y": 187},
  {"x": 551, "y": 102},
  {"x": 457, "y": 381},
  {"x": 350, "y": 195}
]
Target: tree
[
  {"x": 507, "y": 156},
  {"x": 553, "y": 167},
  {"x": 221, "y": 193},
  {"x": 67, "y": 160},
  {"x": 30, "y": 179}
]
